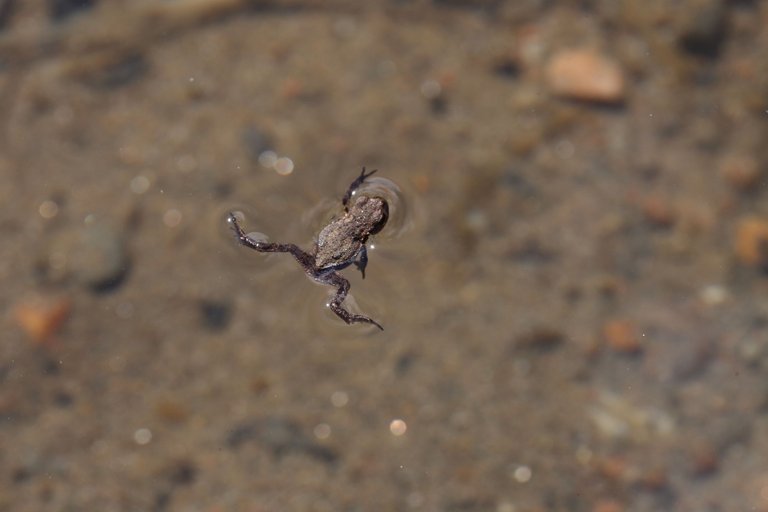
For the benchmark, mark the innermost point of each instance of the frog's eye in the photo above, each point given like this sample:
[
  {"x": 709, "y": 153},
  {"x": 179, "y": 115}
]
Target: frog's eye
[{"x": 384, "y": 217}]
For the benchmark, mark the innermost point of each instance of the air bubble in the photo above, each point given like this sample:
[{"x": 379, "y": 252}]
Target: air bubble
[
  {"x": 398, "y": 427},
  {"x": 139, "y": 184},
  {"x": 48, "y": 209},
  {"x": 172, "y": 218},
  {"x": 258, "y": 236},
  {"x": 284, "y": 166},
  {"x": 142, "y": 436},
  {"x": 268, "y": 158}
]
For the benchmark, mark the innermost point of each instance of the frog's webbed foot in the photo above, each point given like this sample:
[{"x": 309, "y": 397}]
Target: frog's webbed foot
[
  {"x": 362, "y": 260},
  {"x": 355, "y": 184},
  {"x": 342, "y": 288}
]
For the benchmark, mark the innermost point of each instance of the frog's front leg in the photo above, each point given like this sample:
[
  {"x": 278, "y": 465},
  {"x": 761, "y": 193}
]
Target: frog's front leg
[
  {"x": 342, "y": 288},
  {"x": 353, "y": 186},
  {"x": 362, "y": 260}
]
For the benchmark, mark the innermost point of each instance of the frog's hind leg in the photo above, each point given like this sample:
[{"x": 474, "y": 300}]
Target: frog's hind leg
[
  {"x": 307, "y": 261},
  {"x": 354, "y": 185},
  {"x": 342, "y": 288}
]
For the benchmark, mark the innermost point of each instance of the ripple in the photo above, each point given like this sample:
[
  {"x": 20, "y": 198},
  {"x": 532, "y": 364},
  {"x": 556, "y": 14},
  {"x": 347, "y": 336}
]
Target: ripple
[
  {"x": 317, "y": 217},
  {"x": 255, "y": 225},
  {"x": 401, "y": 218},
  {"x": 318, "y": 315},
  {"x": 247, "y": 217}
]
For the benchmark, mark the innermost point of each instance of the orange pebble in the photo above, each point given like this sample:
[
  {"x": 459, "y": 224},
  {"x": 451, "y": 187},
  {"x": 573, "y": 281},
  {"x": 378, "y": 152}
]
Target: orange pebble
[
  {"x": 41, "y": 319},
  {"x": 752, "y": 241},
  {"x": 586, "y": 75},
  {"x": 658, "y": 211},
  {"x": 621, "y": 336},
  {"x": 741, "y": 171}
]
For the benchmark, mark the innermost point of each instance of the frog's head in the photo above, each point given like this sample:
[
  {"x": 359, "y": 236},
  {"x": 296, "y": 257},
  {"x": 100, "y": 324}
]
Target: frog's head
[{"x": 379, "y": 209}]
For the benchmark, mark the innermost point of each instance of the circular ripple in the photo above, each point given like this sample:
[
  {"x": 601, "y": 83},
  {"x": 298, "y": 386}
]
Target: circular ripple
[{"x": 400, "y": 216}]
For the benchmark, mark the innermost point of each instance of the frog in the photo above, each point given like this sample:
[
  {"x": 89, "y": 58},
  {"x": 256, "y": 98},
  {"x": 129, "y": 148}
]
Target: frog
[{"x": 341, "y": 243}]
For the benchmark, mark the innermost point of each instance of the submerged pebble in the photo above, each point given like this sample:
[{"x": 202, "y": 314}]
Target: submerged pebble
[
  {"x": 93, "y": 256},
  {"x": 703, "y": 28},
  {"x": 658, "y": 211},
  {"x": 42, "y": 317},
  {"x": 215, "y": 315},
  {"x": 586, "y": 75},
  {"x": 621, "y": 336},
  {"x": 740, "y": 171},
  {"x": 62, "y": 9},
  {"x": 541, "y": 338},
  {"x": 751, "y": 245}
]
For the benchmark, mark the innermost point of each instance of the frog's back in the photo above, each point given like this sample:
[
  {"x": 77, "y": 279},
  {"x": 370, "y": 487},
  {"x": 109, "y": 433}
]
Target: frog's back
[{"x": 339, "y": 243}]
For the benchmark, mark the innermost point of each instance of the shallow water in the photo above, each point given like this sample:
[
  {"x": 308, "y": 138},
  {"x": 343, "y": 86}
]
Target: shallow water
[{"x": 574, "y": 299}]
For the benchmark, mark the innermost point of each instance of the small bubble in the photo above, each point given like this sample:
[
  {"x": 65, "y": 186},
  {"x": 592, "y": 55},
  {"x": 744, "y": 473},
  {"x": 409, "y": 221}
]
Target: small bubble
[
  {"x": 142, "y": 436},
  {"x": 258, "y": 236},
  {"x": 339, "y": 398},
  {"x": 172, "y": 218},
  {"x": 139, "y": 184},
  {"x": 89, "y": 219},
  {"x": 239, "y": 216},
  {"x": 322, "y": 431},
  {"x": 48, "y": 209},
  {"x": 284, "y": 166},
  {"x": 523, "y": 474},
  {"x": 398, "y": 427},
  {"x": 268, "y": 158}
]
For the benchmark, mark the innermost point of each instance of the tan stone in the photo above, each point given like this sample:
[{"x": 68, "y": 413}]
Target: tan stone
[{"x": 586, "y": 75}]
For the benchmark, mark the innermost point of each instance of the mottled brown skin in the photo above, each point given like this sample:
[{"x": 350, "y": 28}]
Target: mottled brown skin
[
  {"x": 343, "y": 240},
  {"x": 339, "y": 244}
]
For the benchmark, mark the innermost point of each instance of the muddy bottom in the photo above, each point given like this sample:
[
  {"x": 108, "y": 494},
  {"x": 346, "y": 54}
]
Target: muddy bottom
[{"x": 573, "y": 283}]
